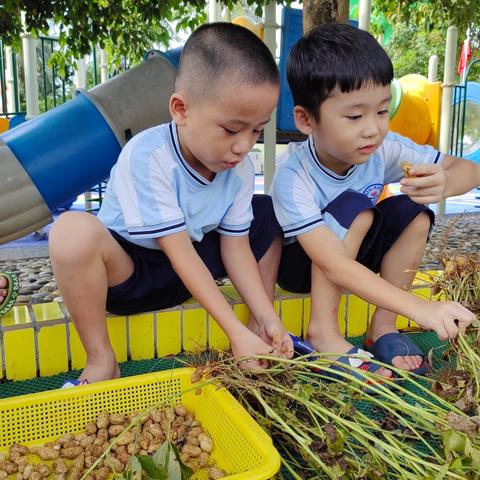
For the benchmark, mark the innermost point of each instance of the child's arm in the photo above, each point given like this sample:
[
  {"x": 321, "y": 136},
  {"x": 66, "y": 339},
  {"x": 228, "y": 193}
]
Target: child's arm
[
  {"x": 243, "y": 271},
  {"x": 200, "y": 283},
  {"x": 431, "y": 183},
  {"x": 328, "y": 253}
]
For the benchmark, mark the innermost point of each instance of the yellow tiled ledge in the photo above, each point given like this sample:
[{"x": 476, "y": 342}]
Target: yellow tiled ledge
[{"x": 40, "y": 339}]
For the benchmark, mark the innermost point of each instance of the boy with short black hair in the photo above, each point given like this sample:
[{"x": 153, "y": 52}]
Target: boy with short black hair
[
  {"x": 177, "y": 212},
  {"x": 325, "y": 193}
]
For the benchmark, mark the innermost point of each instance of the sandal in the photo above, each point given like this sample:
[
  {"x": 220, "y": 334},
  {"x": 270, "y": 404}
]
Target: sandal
[
  {"x": 74, "y": 383},
  {"x": 12, "y": 292},
  {"x": 396, "y": 344},
  {"x": 302, "y": 347}
]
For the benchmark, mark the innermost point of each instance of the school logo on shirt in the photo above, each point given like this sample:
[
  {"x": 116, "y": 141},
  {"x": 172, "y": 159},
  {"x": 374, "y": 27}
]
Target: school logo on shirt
[{"x": 373, "y": 192}]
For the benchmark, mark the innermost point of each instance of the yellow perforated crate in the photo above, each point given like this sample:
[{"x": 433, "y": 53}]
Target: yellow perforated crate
[{"x": 242, "y": 448}]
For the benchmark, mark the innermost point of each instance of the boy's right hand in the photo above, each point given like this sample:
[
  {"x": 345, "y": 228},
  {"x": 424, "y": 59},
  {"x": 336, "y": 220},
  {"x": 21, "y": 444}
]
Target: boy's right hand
[
  {"x": 274, "y": 334},
  {"x": 248, "y": 344},
  {"x": 447, "y": 319}
]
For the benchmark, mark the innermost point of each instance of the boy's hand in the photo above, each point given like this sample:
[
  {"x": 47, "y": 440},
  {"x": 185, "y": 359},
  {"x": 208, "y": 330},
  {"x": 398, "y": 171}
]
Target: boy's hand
[
  {"x": 426, "y": 183},
  {"x": 249, "y": 344},
  {"x": 447, "y": 319},
  {"x": 275, "y": 335}
]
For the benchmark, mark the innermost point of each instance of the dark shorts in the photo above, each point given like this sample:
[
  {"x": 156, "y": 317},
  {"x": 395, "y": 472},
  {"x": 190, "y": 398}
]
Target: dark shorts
[
  {"x": 391, "y": 217},
  {"x": 155, "y": 285}
]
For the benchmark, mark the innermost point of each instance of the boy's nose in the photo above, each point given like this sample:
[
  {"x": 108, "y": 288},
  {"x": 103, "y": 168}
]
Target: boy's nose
[
  {"x": 371, "y": 129},
  {"x": 242, "y": 145}
]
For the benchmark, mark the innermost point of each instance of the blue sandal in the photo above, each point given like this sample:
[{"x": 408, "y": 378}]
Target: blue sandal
[
  {"x": 12, "y": 292},
  {"x": 302, "y": 347},
  {"x": 396, "y": 344}
]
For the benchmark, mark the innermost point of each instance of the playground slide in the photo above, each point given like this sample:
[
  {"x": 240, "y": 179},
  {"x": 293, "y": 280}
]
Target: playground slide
[{"x": 52, "y": 158}]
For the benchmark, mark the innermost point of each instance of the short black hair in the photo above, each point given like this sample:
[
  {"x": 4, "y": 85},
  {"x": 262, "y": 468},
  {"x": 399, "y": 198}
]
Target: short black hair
[
  {"x": 331, "y": 56},
  {"x": 220, "y": 49}
]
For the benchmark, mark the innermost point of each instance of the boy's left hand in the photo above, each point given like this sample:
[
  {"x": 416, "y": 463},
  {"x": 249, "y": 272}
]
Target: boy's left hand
[
  {"x": 275, "y": 335},
  {"x": 427, "y": 183}
]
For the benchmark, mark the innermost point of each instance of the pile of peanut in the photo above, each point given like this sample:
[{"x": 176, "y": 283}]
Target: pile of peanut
[{"x": 72, "y": 455}]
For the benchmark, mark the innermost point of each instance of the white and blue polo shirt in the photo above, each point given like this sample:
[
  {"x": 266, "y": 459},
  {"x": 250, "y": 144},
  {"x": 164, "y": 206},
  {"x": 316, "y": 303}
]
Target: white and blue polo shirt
[
  {"x": 153, "y": 192},
  {"x": 302, "y": 188}
]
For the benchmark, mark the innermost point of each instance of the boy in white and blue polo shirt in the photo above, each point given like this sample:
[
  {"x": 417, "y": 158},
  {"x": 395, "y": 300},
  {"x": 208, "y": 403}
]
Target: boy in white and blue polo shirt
[
  {"x": 325, "y": 194},
  {"x": 179, "y": 210}
]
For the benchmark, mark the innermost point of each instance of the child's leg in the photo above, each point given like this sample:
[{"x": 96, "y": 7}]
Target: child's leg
[
  {"x": 85, "y": 261},
  {"x": 268, "y": 268},
  {"x": 398, "y": 267},
  {"x": 266, "y": 242},
  {"x": 323, "y": 332}
]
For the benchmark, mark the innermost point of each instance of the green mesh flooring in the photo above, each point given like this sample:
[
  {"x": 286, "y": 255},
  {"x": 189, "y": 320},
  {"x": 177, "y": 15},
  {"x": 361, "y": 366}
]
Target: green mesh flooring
[
  {"x": 127, "y": 369},
  {"x": 425, "y": 340}
]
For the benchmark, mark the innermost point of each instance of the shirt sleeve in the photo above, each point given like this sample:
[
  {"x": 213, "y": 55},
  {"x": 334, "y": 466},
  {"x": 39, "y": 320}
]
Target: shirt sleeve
[
  {"x": 239, "y": 215},
  {"x": 146, "y": 190},
  {"x": 396, "y": 149},
  {"x": 293, "y": 196}
]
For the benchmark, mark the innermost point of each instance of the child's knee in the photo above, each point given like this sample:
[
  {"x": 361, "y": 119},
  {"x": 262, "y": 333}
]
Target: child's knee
[
  {"x": 421, "y": 224},
  {"x": 72, "y": 233}
]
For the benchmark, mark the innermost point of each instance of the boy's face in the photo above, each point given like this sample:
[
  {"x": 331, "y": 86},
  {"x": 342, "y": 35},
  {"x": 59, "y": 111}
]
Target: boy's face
[
  {"x": 217, "y": 132},
  {"x": 351, "y": 126}
]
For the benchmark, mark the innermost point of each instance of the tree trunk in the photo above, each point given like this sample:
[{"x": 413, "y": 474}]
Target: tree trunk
[{"x": 320, "y": 12}]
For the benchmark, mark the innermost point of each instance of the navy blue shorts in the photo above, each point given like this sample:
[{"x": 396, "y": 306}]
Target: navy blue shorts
[
  {"x": 391, "y": 217},
  {"x": 154, "y": 284}
]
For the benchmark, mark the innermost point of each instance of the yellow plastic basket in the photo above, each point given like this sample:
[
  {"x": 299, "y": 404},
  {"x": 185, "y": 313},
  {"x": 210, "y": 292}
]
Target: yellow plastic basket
[{"x": 242, "y": 448}]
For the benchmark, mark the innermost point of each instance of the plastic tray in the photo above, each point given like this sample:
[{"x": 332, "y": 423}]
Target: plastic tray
[{"x": 241, "y": 447}]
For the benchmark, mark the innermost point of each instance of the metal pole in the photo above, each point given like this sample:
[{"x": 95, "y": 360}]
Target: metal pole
[
  {"x": 448, "y": 86},
  {"x": 30, "y": 66},
  {"x": 364, "y": 9},
  {"x": 9, "y": 77},
  {"x": 103, "y": 66},
  {"x": 81, "y": 74},
  {"x": 270, "y": 131},
  {"x": 433, "y": 68},
  {"x": 214, "y": 14}
]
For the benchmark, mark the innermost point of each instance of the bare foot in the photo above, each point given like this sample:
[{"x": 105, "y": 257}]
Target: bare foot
[
  {"x": 99, "y": 369},
  {"x": 3, "y": 288}
]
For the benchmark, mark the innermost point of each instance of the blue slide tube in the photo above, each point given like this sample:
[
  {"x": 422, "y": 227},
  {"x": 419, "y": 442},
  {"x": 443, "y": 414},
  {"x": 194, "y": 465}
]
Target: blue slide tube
[{"x": 65, "y": 151}]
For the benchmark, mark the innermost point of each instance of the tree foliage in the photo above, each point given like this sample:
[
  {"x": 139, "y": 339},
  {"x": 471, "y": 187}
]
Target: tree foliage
[
  {"x": 126, "y": 28},
  {"x": 410, "y": 48},
  {"x": 429, "y": 15}
]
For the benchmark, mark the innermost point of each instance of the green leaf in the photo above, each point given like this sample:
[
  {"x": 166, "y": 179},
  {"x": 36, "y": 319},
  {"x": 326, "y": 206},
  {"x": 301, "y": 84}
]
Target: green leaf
[
  {"x": 454, "y": 442},
  {"x": 160, "y": 456},
  {"x": 151, "y": 469},
  {"x": 186, "y": 471},
  {"x": 168, "y": 458},
  {"x": 135, "y": 469}
]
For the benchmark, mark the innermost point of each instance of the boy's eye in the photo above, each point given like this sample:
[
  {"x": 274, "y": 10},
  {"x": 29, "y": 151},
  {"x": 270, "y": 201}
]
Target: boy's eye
[
  {"x": 383, "y": 112},
  {"x": 353, "y": 117},
  {"x": 230, "y": 132}
]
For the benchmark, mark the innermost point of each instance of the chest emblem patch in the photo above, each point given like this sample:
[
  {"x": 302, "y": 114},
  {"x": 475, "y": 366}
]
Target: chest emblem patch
[{"x": 373, "y": 192}]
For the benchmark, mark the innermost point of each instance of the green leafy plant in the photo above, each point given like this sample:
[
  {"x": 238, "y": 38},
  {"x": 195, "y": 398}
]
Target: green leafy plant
[{"x": 164, "y": 464}]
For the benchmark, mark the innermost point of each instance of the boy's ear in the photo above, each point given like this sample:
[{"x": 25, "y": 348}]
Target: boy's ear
[
  {"x": 303, "y": 120},
  {"x": 178, "y": 108}
]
